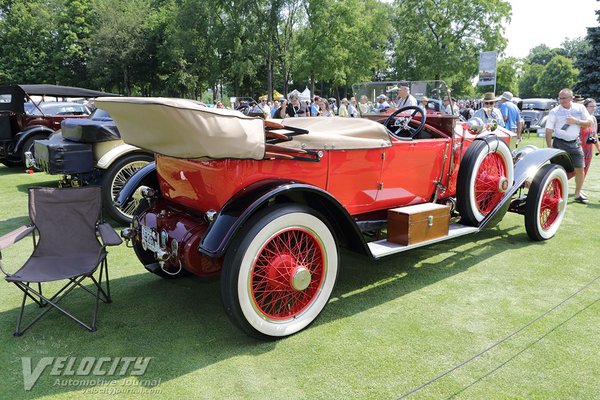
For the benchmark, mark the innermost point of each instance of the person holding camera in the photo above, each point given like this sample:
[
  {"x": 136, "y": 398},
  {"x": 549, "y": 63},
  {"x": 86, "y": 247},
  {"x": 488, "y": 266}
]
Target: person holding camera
[
  {"x": 562, "y": 132},
  {"x": 295, "y": 108},
  {"x": 589, "y": 135}
]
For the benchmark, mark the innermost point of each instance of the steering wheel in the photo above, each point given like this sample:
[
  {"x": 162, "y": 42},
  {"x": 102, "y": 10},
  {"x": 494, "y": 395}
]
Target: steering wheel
[
  {"x": 399, "y": 126},
  {"x": 244, "y": 109}
]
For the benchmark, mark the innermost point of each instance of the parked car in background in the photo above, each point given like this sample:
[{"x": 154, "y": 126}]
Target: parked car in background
[
  {"x": 267, "y": 205},
  {"x": 534, "y": 113},
  {"x": 24, "y": 120},
  {"x": 90, "y": 151}
]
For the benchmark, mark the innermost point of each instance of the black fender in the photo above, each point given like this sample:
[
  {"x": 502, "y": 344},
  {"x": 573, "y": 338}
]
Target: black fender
[
  {"x": 21, "y": 137},
  {"x": 144, "y": 176},
  {"x": 528, "y": 161},
  {"x": 261, "y": 194}
]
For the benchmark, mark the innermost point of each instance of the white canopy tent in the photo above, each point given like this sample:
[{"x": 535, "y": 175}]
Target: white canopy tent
[{"x": 305, "y": 95}]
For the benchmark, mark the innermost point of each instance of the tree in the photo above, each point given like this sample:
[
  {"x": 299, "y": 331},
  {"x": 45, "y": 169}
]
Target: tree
[
  {"x": 531, "y": 74},
  {"x": 558, "y": 74},
  {"x": 26, "y": 33},
  {"x": 589, "y": 64},
  {"x": 506, "y": 75},
  {"x": 443, "y": 38},
  {"x": 343, "y": 43},
  {"x": 542, "y": 54},
  {"x": 575, "y": 48},
  {"x": 117, "y": 43},
  {"x": 72, "y": 42}
]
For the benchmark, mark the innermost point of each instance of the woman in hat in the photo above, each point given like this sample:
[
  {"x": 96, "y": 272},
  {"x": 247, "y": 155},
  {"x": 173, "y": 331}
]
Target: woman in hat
[
  {"x": 343, "y": 110},
  {"x": 489, "y": 112}
]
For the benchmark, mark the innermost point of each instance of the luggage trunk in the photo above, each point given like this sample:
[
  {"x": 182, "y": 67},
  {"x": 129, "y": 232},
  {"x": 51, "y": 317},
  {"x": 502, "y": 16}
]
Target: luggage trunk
[
  {"x": 89, "y": 131},
  {"x": 59, "y": 156},
  {"x": 418, "y": 223}
]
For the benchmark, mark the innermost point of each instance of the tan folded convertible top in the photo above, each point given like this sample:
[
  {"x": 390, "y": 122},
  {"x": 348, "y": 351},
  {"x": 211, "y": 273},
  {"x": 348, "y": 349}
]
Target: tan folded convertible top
[
  {"x": 185, "y": 129},
  {"x": 337, "y": 133}
]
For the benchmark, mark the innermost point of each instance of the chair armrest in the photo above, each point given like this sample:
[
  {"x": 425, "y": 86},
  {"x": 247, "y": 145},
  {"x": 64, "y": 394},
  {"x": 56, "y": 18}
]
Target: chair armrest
[
  {"x": 16, "y": 235},
  {"x": 108, "y": 235}
]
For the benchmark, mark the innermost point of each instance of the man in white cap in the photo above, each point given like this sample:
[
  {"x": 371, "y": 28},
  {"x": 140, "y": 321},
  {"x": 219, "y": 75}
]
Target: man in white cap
[
  {"x": 563, "y": 125},
  {"x": 382, "y": 103},
  {"x": 510, "y": 113}
]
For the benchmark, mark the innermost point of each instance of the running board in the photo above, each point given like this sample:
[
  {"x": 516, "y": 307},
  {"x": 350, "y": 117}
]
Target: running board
[{"x": 382, "y": 248}]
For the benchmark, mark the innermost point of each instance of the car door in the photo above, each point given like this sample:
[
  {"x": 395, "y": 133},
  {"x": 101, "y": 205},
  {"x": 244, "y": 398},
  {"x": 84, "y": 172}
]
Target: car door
[
  {"x": 354, "y": 177},
  {"x": 411, "y": 170}
]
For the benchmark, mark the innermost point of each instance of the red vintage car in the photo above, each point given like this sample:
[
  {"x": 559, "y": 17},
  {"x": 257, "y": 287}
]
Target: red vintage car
[{"x": 267, "y": 205}]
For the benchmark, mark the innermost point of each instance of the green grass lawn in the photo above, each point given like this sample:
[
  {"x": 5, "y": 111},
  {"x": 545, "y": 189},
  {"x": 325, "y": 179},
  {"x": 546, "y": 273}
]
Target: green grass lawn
[{"x": 390, "y": 326}]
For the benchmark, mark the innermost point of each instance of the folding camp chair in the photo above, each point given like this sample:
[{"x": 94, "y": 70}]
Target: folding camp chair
[{"x": 64, "y": 227}]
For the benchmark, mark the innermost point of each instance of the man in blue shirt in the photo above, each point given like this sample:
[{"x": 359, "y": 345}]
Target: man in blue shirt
[
  {"x": 314, "y": 106},
  {"x": 510, "y": 113}
]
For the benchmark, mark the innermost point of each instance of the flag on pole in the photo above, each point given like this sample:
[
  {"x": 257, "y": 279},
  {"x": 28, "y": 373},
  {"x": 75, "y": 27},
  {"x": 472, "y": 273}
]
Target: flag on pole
[{"x": 487, "y": 68}]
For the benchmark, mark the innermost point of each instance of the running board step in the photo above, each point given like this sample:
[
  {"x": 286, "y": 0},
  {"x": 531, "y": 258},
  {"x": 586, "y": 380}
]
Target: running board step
[{"x": 382, "y": 248}]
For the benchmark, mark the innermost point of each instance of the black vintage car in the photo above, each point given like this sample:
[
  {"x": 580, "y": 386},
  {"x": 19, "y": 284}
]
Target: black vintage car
[
  {"x": 90, "y": 151},
  {"x": 21, "y": 125},
  {"x": 535, "y": 112}
]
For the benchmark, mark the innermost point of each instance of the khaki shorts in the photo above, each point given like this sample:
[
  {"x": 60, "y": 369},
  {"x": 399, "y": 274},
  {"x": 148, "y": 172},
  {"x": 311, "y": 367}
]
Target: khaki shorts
[{"x": 573, "y": 148}]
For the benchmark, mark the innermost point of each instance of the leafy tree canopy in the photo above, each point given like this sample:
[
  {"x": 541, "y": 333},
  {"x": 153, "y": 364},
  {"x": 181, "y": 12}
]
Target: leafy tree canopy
[
  {"x": 441, "y": 39},
  {"x": 183, "y": 48},
  {"x": 558, "y": 74},
  {"x": 589, "y": 64}
]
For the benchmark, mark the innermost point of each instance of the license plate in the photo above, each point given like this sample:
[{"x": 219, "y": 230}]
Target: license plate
[{"x": 149, "y": 239}]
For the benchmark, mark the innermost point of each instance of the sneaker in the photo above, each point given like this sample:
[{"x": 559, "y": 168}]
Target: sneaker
[{"x": 582, "y": 200}]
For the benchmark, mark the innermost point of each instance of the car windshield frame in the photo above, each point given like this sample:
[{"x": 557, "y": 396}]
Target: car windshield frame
[
  {"x": 55, "y": 108},
  {"x": 435, "y": 89}
]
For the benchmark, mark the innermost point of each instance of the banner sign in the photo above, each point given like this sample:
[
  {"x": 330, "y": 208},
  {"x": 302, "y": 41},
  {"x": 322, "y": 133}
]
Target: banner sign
[{"x": 487, "y": 68}]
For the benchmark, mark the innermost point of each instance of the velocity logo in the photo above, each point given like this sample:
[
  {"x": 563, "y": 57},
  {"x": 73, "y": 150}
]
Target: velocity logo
[{"x": 80, "y": 367}]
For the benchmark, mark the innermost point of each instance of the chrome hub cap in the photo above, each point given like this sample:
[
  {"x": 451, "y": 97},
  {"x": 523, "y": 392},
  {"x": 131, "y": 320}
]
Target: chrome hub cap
[{"x": 300, "y": 278}]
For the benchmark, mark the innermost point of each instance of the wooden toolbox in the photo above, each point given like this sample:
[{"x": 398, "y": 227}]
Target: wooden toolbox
[{"x": 418, "y": 223}]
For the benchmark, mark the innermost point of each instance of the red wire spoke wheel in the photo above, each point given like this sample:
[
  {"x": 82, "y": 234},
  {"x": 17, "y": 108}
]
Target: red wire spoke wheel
[
  {"x": 280, "y": 271},
  {"x": 490, "y": 183},
  {"x": 486, "y": 173},
  {"x": 546, "y": 202},
  {"x": 287, "y": 274}
]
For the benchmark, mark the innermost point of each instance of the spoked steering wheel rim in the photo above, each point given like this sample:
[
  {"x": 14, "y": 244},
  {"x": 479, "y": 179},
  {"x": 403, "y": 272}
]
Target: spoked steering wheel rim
[{"x": 391, "y": 122}]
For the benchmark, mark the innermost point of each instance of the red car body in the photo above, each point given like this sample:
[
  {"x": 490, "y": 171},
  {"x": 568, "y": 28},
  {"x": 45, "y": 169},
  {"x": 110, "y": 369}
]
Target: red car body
[{"x": 271, "y": 224}]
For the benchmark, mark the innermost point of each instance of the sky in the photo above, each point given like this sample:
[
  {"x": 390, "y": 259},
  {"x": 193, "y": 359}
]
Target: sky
[{"x": 549, "y": 22}]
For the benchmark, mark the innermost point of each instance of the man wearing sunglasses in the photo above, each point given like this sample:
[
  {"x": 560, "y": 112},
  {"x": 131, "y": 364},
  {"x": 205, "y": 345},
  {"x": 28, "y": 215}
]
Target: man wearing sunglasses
[
  {"x": 489, "y": 112},
  {"x": 562, "y": 132}
]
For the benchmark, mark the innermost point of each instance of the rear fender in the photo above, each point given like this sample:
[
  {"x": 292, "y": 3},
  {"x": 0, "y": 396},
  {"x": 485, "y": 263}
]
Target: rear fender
[
  {"x": 37, "y": 130},
  {"x": 528, "y": 162},
  {"x": 144, "y": 176},
  {"x": 115, "y": 153},
  {"x": 262, "y": 194}
]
